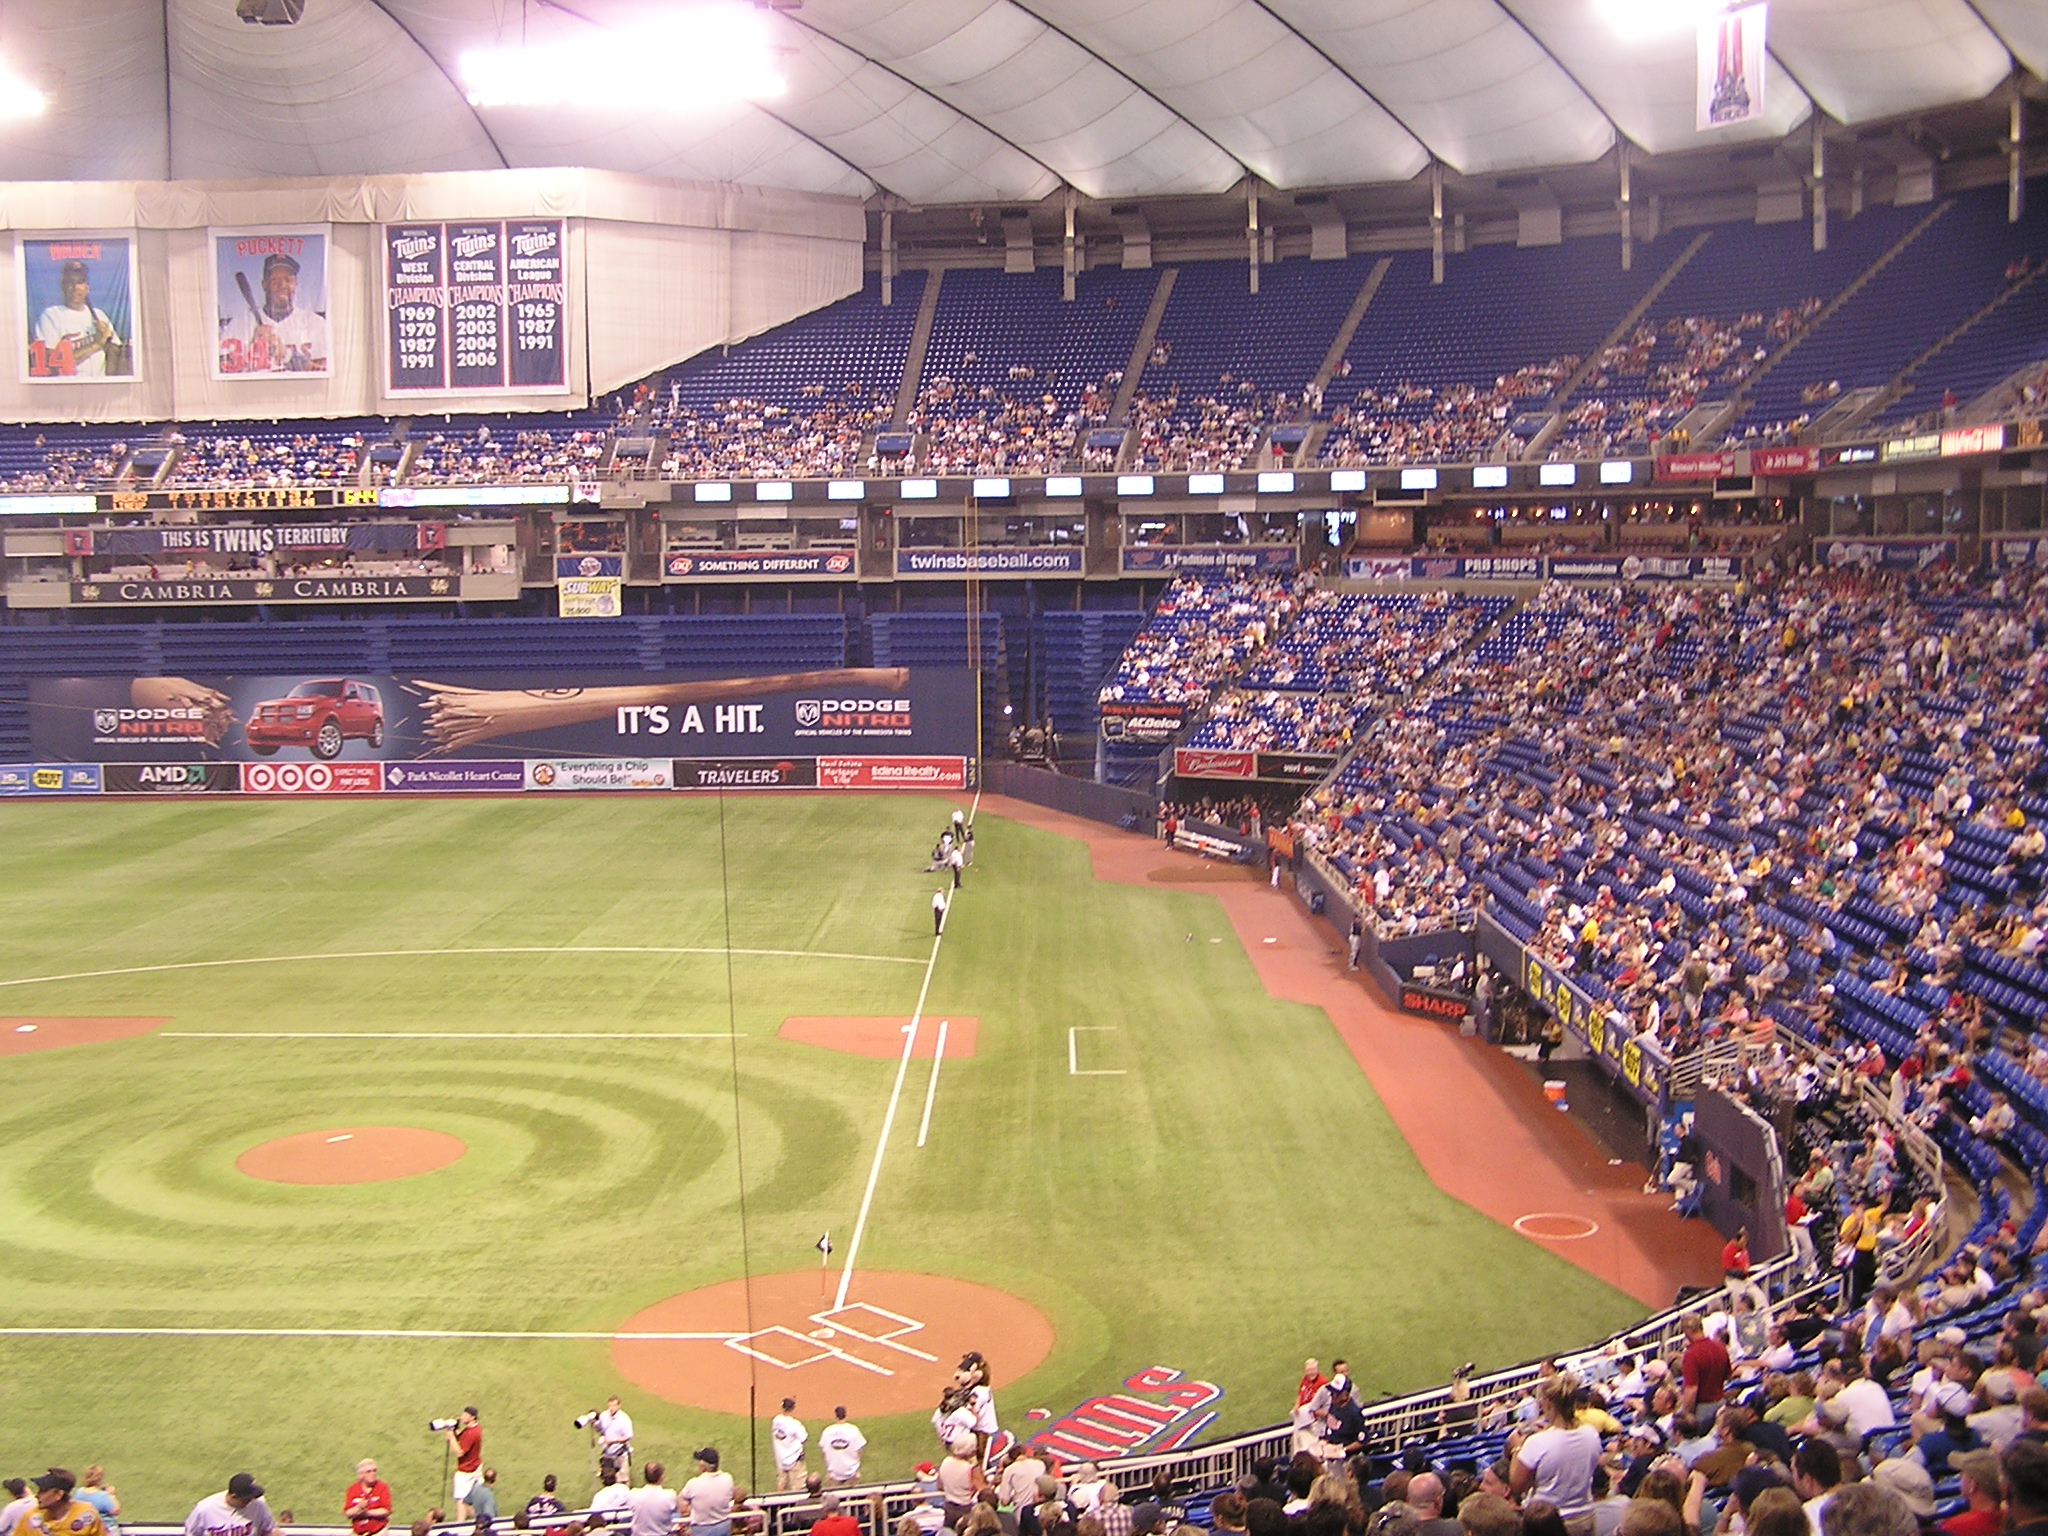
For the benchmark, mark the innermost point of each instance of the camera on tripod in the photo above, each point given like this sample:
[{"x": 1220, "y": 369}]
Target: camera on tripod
[
  {"x": 584, "y": 1420},
  {"x": 437, "y": 1426}
]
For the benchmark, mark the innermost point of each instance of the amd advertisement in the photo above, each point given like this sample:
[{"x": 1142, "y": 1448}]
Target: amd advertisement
[{"x": 504, "y": 718}]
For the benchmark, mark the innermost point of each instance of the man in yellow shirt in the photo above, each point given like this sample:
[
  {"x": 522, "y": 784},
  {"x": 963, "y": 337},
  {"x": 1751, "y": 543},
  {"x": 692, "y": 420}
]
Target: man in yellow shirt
[{"x": 56, "y": 1512}]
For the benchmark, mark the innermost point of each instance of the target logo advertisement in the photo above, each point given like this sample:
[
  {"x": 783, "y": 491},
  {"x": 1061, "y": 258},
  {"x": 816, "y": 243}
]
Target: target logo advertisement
[{"x": 312, "y": 778}]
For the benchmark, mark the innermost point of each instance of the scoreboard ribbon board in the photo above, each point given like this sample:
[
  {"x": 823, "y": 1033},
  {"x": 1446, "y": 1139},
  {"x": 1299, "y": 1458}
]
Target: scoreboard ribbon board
[{"x": 476, "y": 306}]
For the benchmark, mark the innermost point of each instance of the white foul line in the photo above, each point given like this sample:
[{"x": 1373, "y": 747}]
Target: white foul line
[
  {"x": 867, "y": 1198},
  {"x": 1073, "y": 1062},
  {"x": 400, "y": 1034},
  {"x": 417, "y": 954},
  {"x": 931, "y": 1090},
  {"x": 337, "y": 1333}
]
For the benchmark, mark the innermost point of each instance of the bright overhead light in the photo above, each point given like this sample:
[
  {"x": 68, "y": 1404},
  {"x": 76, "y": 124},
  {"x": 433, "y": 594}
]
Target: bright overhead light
[
  {"x": 1635, "y": 19},
  {"x": 678, "y": 61},
  {"x": 18, "y": 98}
]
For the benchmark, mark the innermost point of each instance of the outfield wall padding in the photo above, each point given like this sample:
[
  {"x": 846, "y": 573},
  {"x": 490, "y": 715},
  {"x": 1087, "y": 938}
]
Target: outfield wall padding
[{"x": 1106, "y": 803}]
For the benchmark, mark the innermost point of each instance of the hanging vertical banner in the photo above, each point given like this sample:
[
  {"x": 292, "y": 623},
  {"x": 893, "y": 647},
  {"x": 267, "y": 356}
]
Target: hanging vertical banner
[
  {"x": 78, "y": 307},
  {"x": 415, "y": 307},
  {"x": 537, "y": 285},
  {"x": 476, "y": 306},
  {"x": 1731, "y": 68},
  {"x": 270, "y": 302}
]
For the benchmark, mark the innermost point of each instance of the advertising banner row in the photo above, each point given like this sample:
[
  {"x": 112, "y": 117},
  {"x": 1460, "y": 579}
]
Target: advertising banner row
[
  {"x": 455, "y": 717},
  {"x": 1686, "y": 568},
  {"x": 477, "y": 306},
  {"x": 473, "y": 776},
  {"x": 1279, "y": 767}
]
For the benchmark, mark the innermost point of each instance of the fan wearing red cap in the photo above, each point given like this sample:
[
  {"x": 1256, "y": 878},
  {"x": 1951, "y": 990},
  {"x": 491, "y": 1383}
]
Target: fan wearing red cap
[
  {"x": 56, "y": 1512},
  {"x": 237, "y": 1511}
]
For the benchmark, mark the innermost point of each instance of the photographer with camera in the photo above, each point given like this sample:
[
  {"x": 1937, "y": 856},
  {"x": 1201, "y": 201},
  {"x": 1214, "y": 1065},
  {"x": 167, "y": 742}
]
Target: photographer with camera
[
  {"x": 466, "y": 1439},
  {"x": 613, "y": 1427}
]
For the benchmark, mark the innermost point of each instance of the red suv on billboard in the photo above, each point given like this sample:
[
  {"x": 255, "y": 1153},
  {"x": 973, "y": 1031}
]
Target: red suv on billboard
[{"x": 321, "y": 714}]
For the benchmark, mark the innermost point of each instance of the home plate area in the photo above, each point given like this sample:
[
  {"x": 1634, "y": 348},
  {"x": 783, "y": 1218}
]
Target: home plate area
[
  {"x": 891, "y": 1349},
  {"x": 839, "y": 1335}
]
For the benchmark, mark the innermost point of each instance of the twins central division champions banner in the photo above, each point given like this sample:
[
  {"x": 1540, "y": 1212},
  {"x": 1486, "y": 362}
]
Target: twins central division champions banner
[
  {"x": 478, "y": 305},
  {"x": 77, "y": 304},
  {"x": 270, "y": 299},
  {"x": 599, "y": 714}
]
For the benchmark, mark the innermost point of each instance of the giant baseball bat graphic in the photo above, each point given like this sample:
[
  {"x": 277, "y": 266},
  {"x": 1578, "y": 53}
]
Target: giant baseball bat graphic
[{"x": 457, "y": 717}]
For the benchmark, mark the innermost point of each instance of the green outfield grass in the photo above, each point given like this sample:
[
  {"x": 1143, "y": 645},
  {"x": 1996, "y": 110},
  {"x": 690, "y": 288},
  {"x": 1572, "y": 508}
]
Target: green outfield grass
[{"x": 1238, "y": 1200}]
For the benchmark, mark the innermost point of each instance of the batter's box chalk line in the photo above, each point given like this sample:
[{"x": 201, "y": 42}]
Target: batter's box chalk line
[{"x": 861, "y": 1321}]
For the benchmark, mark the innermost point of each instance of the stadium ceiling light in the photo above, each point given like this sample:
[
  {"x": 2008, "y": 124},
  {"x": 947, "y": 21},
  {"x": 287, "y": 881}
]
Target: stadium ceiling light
[
  {"x": 18, "y": 98},
  {"x": 1640, "y": 20},
  {"x": 680, "y": 60}
]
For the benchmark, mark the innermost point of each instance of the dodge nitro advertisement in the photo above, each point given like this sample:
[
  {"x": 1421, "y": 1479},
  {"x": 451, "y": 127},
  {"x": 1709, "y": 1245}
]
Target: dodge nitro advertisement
[{"x": 349, "y": 717}]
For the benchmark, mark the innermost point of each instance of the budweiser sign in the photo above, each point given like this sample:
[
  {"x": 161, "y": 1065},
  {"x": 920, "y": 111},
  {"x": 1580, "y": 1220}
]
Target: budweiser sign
[{"x": 1202, "y": 763}]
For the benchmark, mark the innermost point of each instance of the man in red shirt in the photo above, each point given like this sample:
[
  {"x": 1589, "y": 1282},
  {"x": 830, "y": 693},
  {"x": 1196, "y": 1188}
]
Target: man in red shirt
[
  {"x": 831, "y": 1522},
  {"x": 1735, "y": 1257},
  {"x": 466, "y": 1439},
  {"x": 1704, "y": 1367},
  {"x": 1984, "y": 1517},
  {"x": 367, "y": 1504}
]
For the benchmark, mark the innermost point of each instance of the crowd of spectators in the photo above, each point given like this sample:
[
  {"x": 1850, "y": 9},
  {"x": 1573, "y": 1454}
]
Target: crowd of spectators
[
  {"x": 1643, "y": 386},
  {"x": 1707, "y": 807},
  {"x": 1425, "y": 424},
  {"x": 1202, "y": 628},
  {"x": 266, "y": 458},
  {"x": 509, "y": 456}
]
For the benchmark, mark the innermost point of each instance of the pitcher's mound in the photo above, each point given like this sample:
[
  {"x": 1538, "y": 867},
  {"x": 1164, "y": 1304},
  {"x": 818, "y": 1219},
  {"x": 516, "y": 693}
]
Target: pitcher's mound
[
  {"x": 363, "y": 1154},
  {"x": 882, "y": 1038},
  {"x": 891, "y": 1349}
]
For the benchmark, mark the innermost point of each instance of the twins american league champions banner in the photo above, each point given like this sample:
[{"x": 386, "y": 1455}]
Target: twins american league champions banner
[
  {"x": 77, "y": 296},
  {"x": 478, "y": 305},
  {"x": 270, "y": 298},
  {"x": 339, "y": 718}
]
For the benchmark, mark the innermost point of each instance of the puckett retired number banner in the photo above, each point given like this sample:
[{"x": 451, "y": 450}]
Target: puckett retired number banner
[{"x": 479, "y": 305}]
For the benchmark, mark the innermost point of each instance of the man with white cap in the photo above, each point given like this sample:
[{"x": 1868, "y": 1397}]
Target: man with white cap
[{"x": 367, "y": 1504}]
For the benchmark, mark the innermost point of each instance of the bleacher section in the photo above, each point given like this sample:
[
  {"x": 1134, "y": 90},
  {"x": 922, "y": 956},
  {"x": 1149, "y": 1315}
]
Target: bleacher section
[
  {"x": 1954, "y": 266},
  {"x": 942, "y": 640},
  {"x": 1015, "y": 379},
  {"x": 1071, "y": 654}
]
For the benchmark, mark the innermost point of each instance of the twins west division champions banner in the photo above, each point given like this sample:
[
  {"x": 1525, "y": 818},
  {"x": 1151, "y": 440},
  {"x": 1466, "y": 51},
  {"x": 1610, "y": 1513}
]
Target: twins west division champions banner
[
  {"x": 340, "y": 717},
  {"x": 478, "y": 305},
  {"x": 77, "y": 295},
  {"x": 270, "y": 297}
]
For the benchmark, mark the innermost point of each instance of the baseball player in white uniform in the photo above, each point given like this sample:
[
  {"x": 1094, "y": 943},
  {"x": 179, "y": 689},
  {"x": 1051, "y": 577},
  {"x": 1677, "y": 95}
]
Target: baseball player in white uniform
[
  {"x": 89, "y": 329},
  {"x": 280, "y": 336}
]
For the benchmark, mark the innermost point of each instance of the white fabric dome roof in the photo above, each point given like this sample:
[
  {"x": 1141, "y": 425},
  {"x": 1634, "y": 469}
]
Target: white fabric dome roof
[{"x": 946, "y": 101}]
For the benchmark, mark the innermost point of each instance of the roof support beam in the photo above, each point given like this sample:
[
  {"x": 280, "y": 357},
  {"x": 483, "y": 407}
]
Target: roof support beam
[{"x": 1820, "y": 180}]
